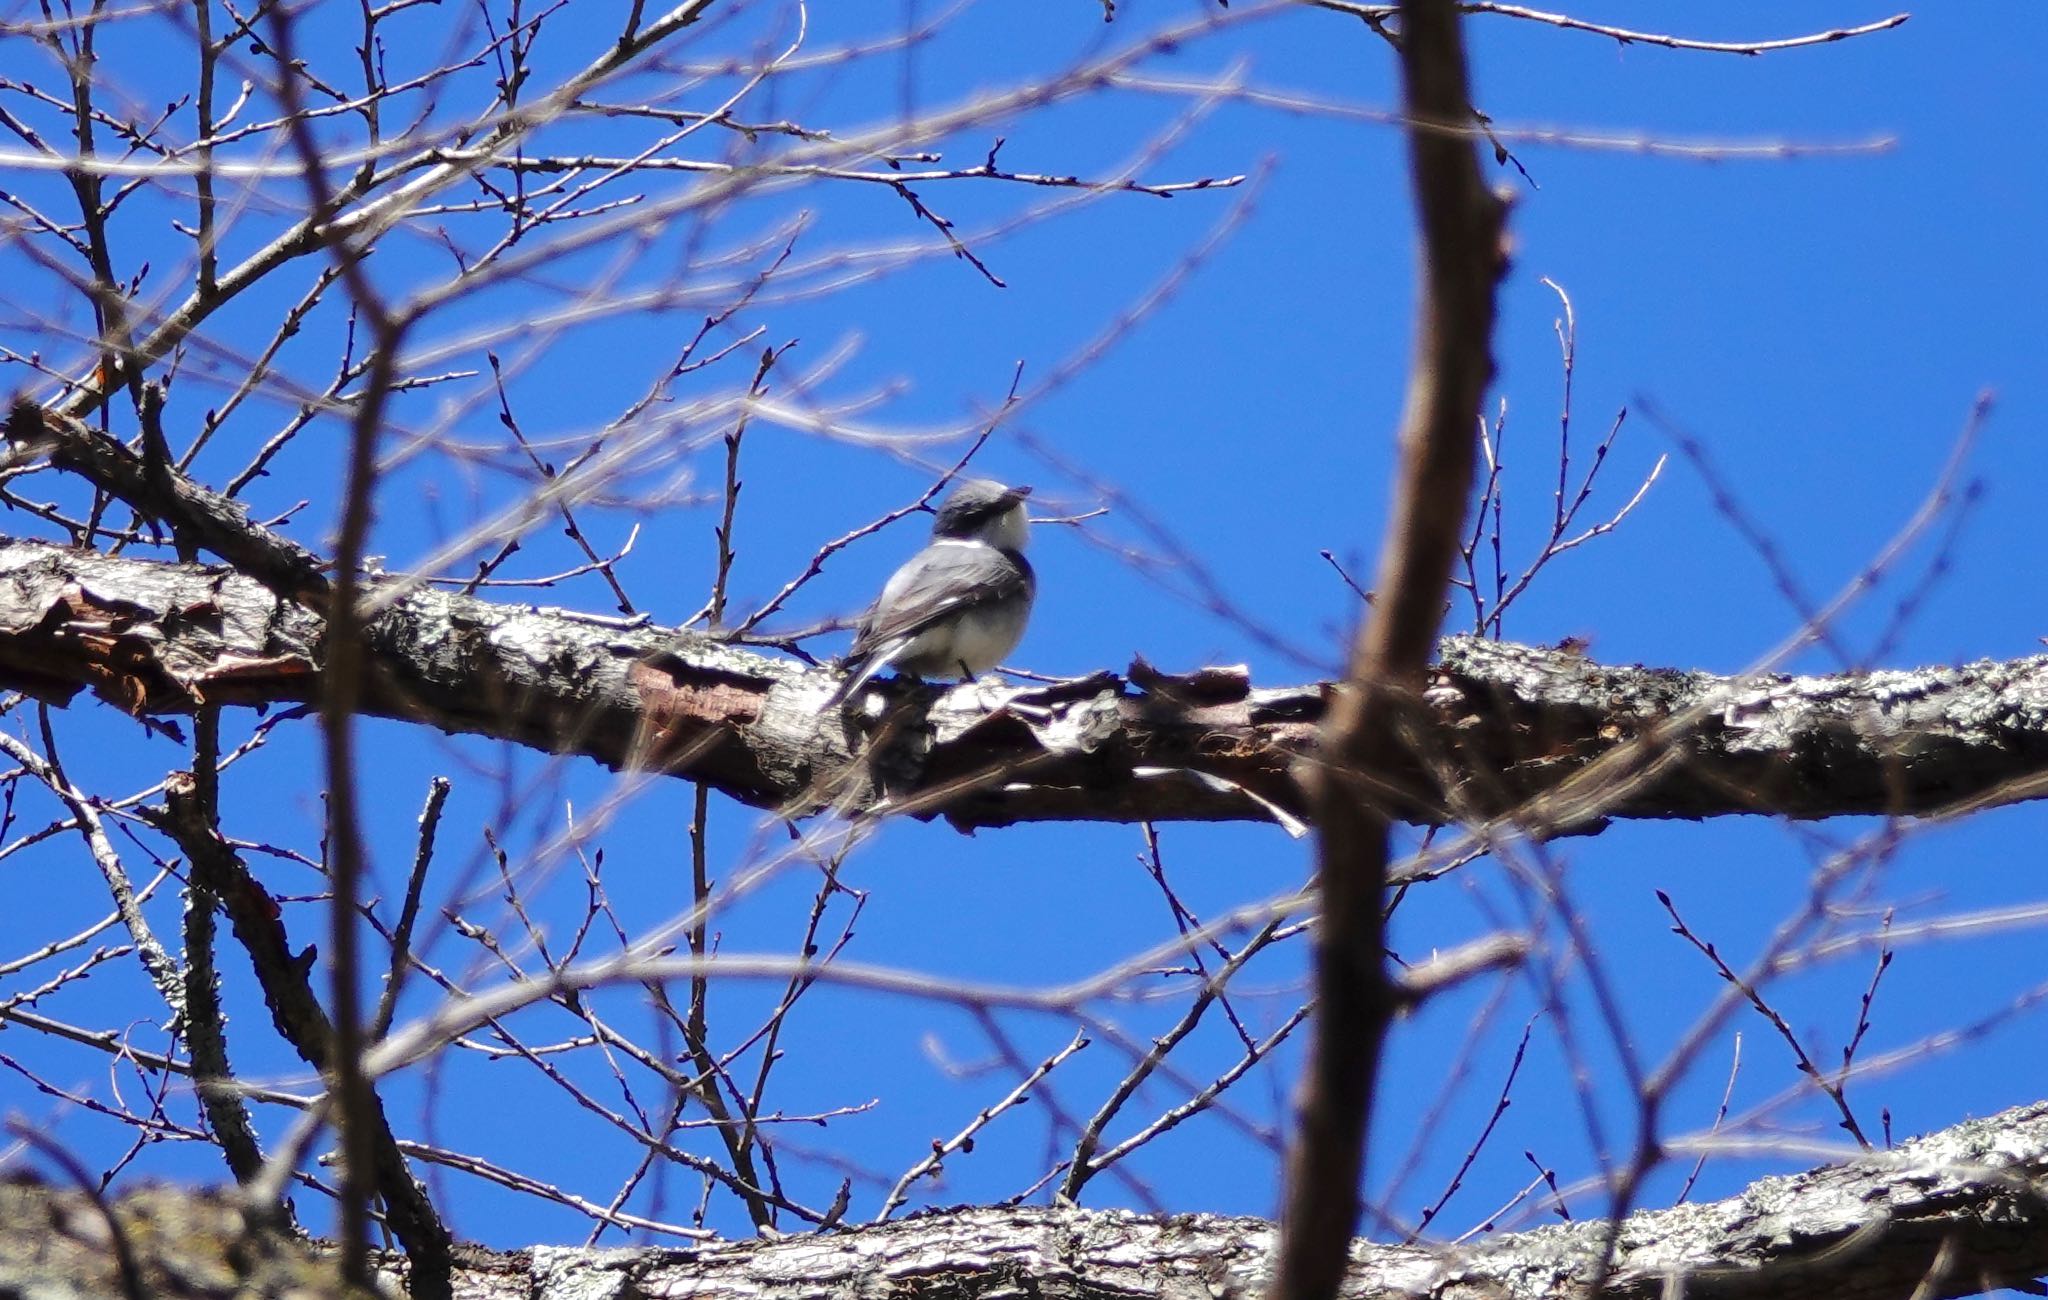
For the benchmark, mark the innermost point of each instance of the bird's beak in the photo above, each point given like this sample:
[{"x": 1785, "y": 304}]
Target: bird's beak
[{"x": 1017, "y": 494}]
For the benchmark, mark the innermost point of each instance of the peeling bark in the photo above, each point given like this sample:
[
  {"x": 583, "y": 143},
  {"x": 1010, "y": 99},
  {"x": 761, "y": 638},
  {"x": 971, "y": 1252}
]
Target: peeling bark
[{"x": 1550, "y": 736}]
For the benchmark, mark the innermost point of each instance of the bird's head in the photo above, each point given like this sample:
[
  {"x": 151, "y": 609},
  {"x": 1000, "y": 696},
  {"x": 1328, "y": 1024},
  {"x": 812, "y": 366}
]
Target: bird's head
[{"x": 982, "y": 510}]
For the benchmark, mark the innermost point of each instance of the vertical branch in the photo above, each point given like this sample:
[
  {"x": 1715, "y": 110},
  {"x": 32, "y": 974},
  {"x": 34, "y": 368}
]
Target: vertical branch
[
  {"x": 713, "y": 609},
  {"x": 207, "y": 282},
  {"x": 205, "y": 1026},
  {"x": 409, "y": 908},
  {"x": 738, "y": 1139},
  {"x": 110, "y": 302},
  {"x": 342, "y": 659},
  {"x": 1462, "y": 261},
  {"x": 698, "y": 935},
  {"x": 373, "y": 92},
  {"x": 365, "y": 1136}
]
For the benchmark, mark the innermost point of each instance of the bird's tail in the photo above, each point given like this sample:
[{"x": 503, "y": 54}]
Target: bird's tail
[{"x": 858, "y": 673}]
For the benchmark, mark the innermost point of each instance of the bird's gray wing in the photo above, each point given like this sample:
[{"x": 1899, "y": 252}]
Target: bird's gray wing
[{"x": 936, "y": 582}]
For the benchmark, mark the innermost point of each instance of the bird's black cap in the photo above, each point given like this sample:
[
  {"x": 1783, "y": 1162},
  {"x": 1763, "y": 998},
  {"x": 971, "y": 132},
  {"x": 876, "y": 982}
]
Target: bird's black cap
[{"x": 972, "y": 504}]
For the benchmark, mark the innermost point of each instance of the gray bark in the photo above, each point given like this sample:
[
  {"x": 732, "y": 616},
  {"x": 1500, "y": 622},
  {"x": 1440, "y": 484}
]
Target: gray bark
[
  {"x": 1957, "y": 1212},
  {"x": 1549, "y": 735}
]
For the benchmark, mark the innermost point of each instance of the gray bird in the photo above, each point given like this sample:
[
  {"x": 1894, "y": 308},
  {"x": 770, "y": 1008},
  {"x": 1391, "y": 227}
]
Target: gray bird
[{"x": 958, "y": 606}]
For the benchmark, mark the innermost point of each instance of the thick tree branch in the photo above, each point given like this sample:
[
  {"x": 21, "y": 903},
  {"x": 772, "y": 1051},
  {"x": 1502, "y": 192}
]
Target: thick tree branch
[
  {"x": 1546, "y": 736},
  {"x": 1958, "y": 1212}
]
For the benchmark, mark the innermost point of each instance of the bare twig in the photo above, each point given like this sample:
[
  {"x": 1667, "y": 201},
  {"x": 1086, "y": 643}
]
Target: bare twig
[{"x": 964, "y": 1139}]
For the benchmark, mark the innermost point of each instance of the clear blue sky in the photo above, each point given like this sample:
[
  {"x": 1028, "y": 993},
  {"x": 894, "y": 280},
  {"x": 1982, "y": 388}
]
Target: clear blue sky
[{"x": 1820, "y": 325}]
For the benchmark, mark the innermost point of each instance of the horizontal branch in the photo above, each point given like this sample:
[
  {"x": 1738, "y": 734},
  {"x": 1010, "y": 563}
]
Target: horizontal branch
[
  {"x": 1953, "y": 1213},
  {"x": 1547, "y": 736}
]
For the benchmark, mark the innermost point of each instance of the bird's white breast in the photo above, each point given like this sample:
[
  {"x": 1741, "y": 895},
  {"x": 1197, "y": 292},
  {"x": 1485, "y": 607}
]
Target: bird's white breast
[{"x": 974, "y": 642}]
